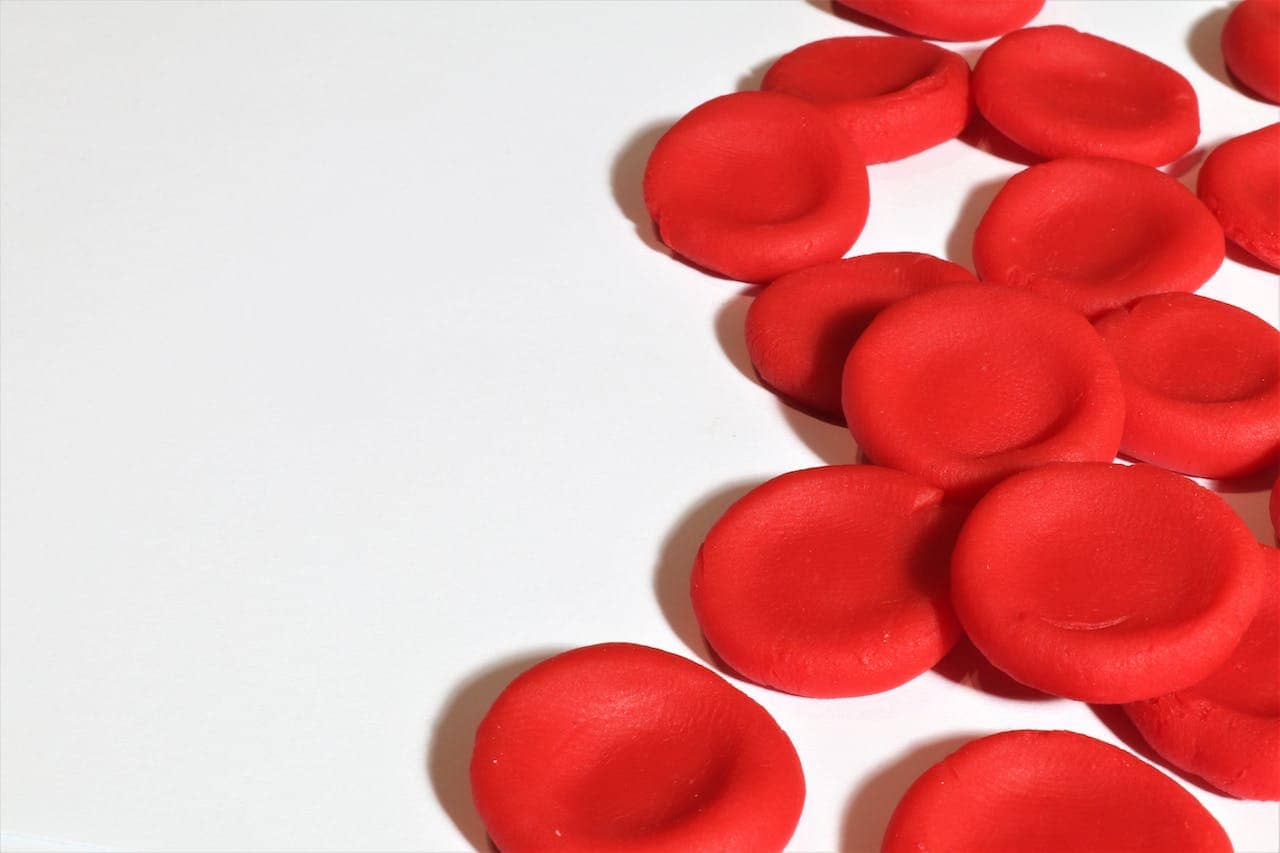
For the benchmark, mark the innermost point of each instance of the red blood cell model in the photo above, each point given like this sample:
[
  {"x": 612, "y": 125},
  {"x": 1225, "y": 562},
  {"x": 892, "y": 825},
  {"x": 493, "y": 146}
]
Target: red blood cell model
[
  {"x": 1105, "y": 583},
  {"x": 1226, "y": 729},
  {"x": 1240, "y": 183},
  {"x": 893, "y": 96},
  {"x": 1049, "y": 792},
  {"x": 757, "y": 184},
  {"x": 619, "y": 747},
  {"x": 948, "y": 20},
  {"x": 963, "y": 385},
  {"x": 1063, "y": 93},
  {"x": 1201, "y": 384},
  {"x": 1251, "y": 46},
  {"x": 1096, "y": 234},
  {"x": 800, "y": 328},
  {"x": 830, "y": 581}
]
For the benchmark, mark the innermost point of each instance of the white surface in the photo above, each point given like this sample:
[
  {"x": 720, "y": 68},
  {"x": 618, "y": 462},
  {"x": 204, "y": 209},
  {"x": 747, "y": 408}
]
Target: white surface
[{"x": 337, "y": 387}]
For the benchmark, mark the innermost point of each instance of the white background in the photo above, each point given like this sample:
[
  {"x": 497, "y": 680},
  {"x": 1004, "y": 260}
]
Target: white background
[{"x": 343, "y": 378}]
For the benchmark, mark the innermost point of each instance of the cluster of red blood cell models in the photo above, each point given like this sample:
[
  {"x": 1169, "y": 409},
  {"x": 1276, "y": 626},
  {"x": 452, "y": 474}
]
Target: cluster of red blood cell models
[{"x": 991, "y": 409}]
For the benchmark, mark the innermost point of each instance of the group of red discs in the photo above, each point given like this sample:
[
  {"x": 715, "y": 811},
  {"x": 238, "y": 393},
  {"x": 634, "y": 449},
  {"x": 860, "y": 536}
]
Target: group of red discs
[{"x": 990, "y": 409}]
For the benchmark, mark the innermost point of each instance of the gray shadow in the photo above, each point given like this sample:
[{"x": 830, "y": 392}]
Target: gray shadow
[
  {"x": 1252, "y": 507},
  {"x": 960, "y": 240},
  {"x": 730, "y": 329},
  {"x": 831, "y": 443},
  {"x": 1204, "y": 43},
  {"x": 754, "y": 79},
  {"x": 627, "y": 177},
  {"x": 964, "y": 664},
  {"x": 982, "y": 135}
]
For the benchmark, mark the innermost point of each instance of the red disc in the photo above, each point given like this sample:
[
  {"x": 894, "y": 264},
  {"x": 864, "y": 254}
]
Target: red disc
[
  {"x": 1226, "y": 729},
  {"x": 966, "y": 384},
  {"x": 947, "y": 20},
  {"x": 1251, "y": 46},
  {"x": 1240, "y": 183},
  {"x": 1201, "y": 384},
  {"x": 1105, "y": 583},
  {"x": 1096, "y": 234},
  {"x": 1063, "y": 93},
  {"x": 893, "y": 96},
  {"x": 619, "y": 747},
  {"x": 800, "y": 328},
  {"x": 1049, "y": 792},
  {"x": 830, "y": 581},
  {"x": 757, "y": 184}
]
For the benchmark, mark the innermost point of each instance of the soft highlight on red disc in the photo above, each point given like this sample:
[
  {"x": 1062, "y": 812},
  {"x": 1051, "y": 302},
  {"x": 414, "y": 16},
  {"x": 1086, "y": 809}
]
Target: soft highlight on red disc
[
  {"x": 1105, "y": 583},
  {"x": 1049, "y": 792},
  {"x": 619, "y": 747},
  {"x": 947, "y": 20},
  {"x": 1251, "y": 46},
  {"x": 1097, "y": 234},
  {"x": 1240, "y": 183}
]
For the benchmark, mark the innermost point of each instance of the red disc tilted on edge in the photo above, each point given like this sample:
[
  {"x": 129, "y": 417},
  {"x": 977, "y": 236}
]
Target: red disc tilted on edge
[
  {"x": 949, "y": 20},
  {"x": 1240, "y": 183},
  {"x": 1251, "y": 46}
]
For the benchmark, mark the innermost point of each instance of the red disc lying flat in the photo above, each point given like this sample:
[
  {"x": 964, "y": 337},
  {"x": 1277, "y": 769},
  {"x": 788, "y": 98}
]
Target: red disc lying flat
[
  {"x": 1251, "y": 46},
  {"x": 801, "y": 328},
  {"x": 893, "y": 96},
  {"x": 1097, "y": 234},
  {"x": 622, "y": 747},
  {"x": 757, "y": 184},
  {"x": 1240, "y": 183},
  {"x": 1226, "y": 729},
  {"x": 1063, "y": 93},
  {"x": 963, "y": 385},
  {"x": 1023, "y": 791},
  {"x": 1105, "y": 583},
  {"x": 1201, "y": 384},
  {"x": 830, "y": 581},
  {"x": 948, "y": 20}
]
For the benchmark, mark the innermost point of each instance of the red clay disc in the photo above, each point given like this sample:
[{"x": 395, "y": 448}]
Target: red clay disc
[
  {"x": 1251, "y": 46},
  {"x": 1240, "y": 183},
  {"x": 1226, "y": 729},
  {"x": 1201, "y": 384},
  {"x": 1096, "y": 234},
  {"x": 963, "y": 385},
  {"x": 757, "y": 184},
  {"x": 1049, "y": 792},
  {"x": 619, "y": 747},
  {"x": 800, "y": 328},
  {"x": 893, "y": 96},
  {"x": 1063, "y": 93},
  {"x": 1105, "y": 583},
  {"x": 947, "y": 20},
  {"x": 830, "y": 581}
]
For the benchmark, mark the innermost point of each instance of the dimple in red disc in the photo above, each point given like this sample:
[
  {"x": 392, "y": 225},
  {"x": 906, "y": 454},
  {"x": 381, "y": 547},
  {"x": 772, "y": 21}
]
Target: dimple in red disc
[
  {"x": 948, "y": 20},
  {"x": 1240, "y": 183},
  {"x": 1251, "y": 46}
]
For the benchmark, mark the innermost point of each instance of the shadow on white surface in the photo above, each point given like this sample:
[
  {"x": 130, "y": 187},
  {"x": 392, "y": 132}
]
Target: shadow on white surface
[
  {"x": 960, "y": 240},
  {"x": 1119, "y": 724},
  {"x": 831, "y": 443},
  {"x": 965, "y": 665},
  {"x": 730, "y": 329},
  {"x": 627, "y": 180},
  {"x": 1204, "y": 43},
  {"x": 982, "y": 135},
  {"x": 753, "y": 79}
]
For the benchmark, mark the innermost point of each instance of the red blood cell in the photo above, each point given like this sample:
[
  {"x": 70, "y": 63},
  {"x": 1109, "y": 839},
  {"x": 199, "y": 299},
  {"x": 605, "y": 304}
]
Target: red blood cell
[
  {"x": 623, "y": 747},
  {"x": 830, "y": 581},
  {"x": 1226, "y": 729},
  {"x": 893, "y": 96},
  {"x": 1096, "y": 234},
  {"x": 963, "y": 385},
  {"x": 1051, "y": 792},
  {"x": 1251, "y": 46},
  {"x": 1105, "y": 583},
  {"x": 757, "y": 184},
  {"x": 1201, "y": 384},
  {"x": 948, "y": 20},
  {"x": 1240, "y": 183},
  {"x": 1063, "y": 93},
  {"x": 800, "y": 328}
]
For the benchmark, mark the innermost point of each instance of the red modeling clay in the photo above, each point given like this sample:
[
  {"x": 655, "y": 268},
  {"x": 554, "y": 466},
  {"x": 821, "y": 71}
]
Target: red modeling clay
[
  {"x": 893, "y": 96},
  {"x": 1097, "y": 234},
  {"x": 830, "y": 581},
  {"x": 948, "y": 20},
  {"x": 1201, "y": 384},
  {"x": 1049, "y": 792},
  {"x": 1063, "y": 93},
  {"x": 1251, "y": 46},
  {"x": 1240, "y": 183},
  {"x": 1105, "y": 583},
  {"x": 622, "y": 747},
  {"x": 963, "y": 385},
  {"x": 800, "y": 328},
  {"x": 1226, "y": 729},
  {"x": 757, "y": 184}
]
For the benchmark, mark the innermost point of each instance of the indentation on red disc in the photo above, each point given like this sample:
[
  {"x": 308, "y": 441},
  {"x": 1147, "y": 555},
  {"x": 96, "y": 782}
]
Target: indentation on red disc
[
  {"x": 1251, "y": 46},
  {"x": 1052, "y": 792},
  {"x": 1105, "y": 583},
  {"x": 625, "y": 747},
  {"x": 948, "y": 20},
  {"x": 1240, "y": 183}
]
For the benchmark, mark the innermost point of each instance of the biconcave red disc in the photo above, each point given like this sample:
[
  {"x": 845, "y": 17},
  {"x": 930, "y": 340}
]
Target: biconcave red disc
[
  {"x": 1251, "y": 46},
  {"x": 1240, "y": 183}
]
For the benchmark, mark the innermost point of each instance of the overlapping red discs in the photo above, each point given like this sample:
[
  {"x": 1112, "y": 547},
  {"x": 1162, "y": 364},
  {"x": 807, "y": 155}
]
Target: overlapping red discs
[
  {"x": 948, "y": 20},
  {"x": 1251, "y": 46},
  {"x": 1240, "y": 183}
]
